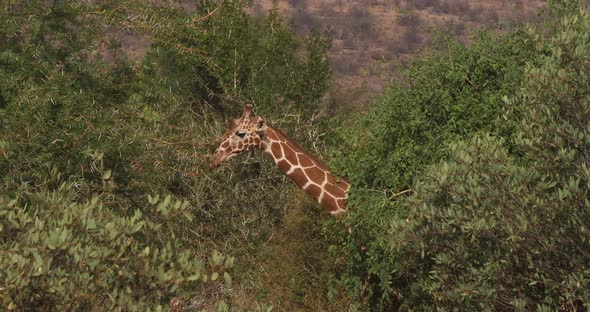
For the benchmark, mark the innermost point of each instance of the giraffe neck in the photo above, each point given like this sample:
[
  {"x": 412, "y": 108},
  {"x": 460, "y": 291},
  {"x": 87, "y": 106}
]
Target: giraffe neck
[{"x": 308, "y": 173}]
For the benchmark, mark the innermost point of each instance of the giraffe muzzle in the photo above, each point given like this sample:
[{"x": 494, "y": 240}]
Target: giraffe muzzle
[
  {"x": 219, "y": 157},
  {"x": 216, "y": 159}
]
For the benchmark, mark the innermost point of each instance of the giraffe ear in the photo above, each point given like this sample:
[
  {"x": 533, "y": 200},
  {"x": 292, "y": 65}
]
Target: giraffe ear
[
  {"x": 232, "y": 122},
  {"x": 247, "y": 110},
  {"x": 260, "y": 128}
]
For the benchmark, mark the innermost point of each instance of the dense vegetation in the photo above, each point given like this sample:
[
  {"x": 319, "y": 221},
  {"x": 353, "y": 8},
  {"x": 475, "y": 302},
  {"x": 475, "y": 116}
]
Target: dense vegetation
[
  {"x": 104, "y": 192},
  {"x": 470, "y": 176}
]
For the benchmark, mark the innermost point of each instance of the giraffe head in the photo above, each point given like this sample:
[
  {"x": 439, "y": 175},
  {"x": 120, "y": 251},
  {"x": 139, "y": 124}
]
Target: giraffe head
[{"x": 243, "y": 134}]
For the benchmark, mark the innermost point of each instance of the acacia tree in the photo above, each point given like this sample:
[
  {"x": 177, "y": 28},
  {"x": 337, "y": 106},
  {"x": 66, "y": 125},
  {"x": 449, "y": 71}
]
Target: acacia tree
[
  {"x": 86, "y": 143},
  {"x": 498, "y": 209}
]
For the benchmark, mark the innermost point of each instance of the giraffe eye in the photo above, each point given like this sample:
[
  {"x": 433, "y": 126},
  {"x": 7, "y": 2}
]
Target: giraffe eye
[{"x": 241, "y": 134}]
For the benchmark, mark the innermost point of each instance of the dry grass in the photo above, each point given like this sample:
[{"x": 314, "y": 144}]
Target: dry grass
[{"x": 289, "y": 267}]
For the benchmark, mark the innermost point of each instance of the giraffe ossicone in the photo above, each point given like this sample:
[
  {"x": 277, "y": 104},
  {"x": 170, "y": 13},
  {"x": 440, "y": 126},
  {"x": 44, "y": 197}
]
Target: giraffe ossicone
[{"x": 252, "y": 132}]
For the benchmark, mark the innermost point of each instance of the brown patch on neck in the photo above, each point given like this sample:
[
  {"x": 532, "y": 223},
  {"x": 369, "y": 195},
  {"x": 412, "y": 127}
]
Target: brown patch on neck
[
  {"x": 316, "y": 179},
  {"x": 277, "y": 135}
]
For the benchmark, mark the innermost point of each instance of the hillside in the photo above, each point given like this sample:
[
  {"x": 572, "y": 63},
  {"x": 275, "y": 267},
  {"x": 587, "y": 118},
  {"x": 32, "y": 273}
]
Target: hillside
[{"x": 371, "y": 38}]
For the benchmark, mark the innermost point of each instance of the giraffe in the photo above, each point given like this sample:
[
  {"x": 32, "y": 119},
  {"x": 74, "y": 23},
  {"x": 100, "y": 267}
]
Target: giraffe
[{"x": 252, "y": 132}]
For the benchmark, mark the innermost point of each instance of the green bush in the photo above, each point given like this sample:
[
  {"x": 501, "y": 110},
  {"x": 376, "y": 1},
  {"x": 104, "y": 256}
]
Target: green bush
[
  {"x": 502, "y": 223},
  {"x": 153, "y": 120},
  {"x": 61, "y": 252},
  {"x": 454, "y": 92},
  {"x": 487, "y": 233},
  {"x": 73, "y": 107},
  {"x": 230, "y": 58},
  {"x": 449, "y": 95}
]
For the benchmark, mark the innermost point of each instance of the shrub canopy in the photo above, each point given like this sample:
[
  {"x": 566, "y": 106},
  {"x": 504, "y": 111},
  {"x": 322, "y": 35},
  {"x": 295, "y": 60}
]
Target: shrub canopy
[
  {"x": 89, "y": 137},
  {"x": 495, "y": 151}
]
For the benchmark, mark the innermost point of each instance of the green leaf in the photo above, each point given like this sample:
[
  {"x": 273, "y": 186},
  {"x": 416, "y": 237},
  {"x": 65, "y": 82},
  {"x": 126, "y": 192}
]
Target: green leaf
[
  {"x": 228, "y": 279},
  {"x": 222, "y": 307},
  {"x": 91, "y": 224},
  {"x": 188, "y": 216}
]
